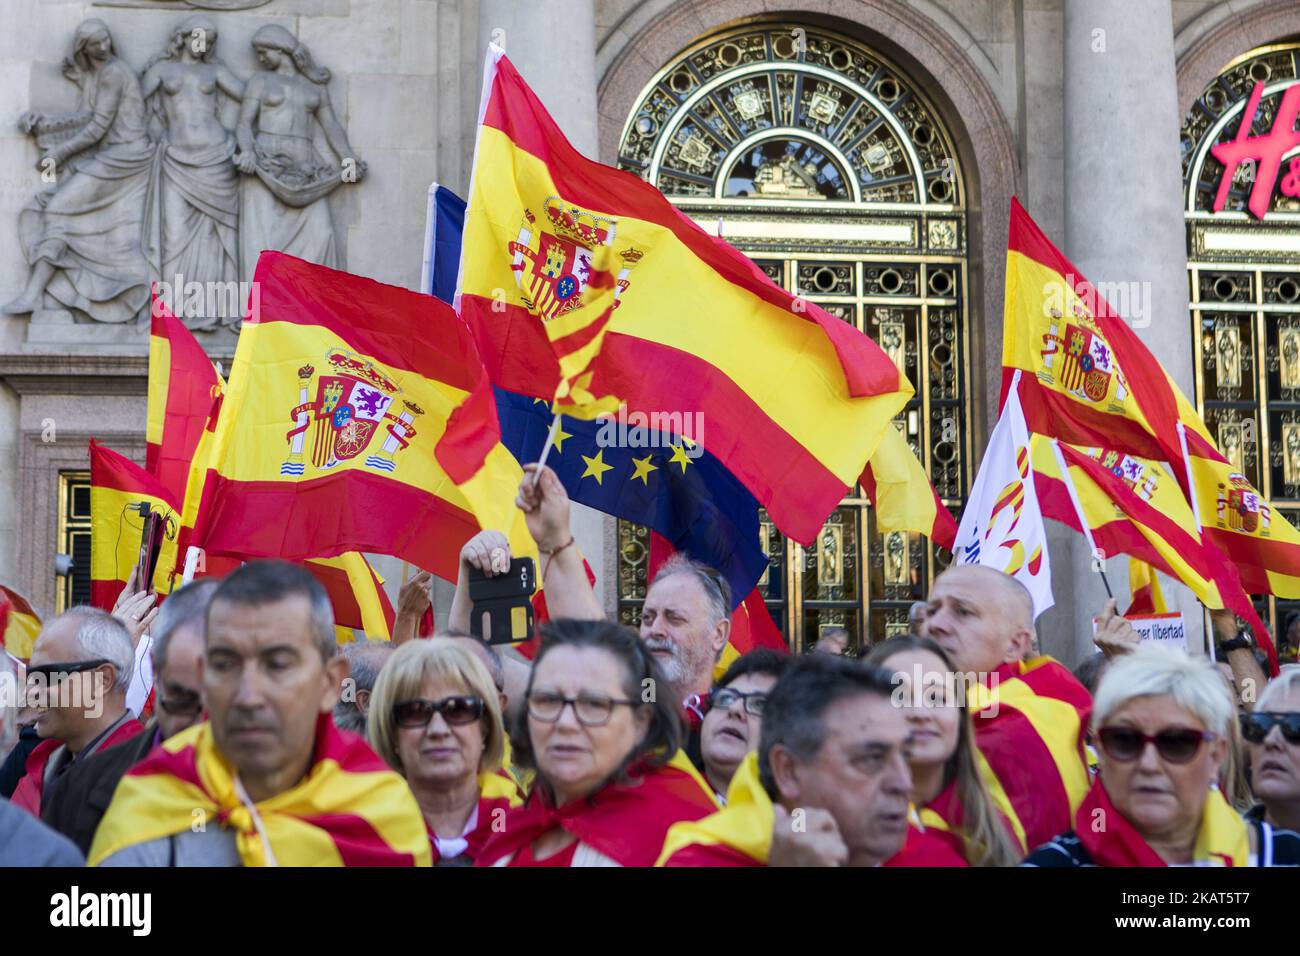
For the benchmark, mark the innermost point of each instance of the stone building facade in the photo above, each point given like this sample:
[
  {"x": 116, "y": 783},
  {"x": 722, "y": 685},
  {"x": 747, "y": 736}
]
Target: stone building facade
[{"x": 228, "y": 116}]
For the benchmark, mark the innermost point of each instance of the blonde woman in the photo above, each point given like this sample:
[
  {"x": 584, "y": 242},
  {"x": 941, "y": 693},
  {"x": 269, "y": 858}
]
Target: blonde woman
[
  {"x": 947, "y": 789},
  {"x": 435, "y": 717}
]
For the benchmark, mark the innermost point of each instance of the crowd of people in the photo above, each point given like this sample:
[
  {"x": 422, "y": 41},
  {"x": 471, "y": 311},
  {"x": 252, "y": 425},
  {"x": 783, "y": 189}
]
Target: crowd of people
[{"x": 268, "y": 743}]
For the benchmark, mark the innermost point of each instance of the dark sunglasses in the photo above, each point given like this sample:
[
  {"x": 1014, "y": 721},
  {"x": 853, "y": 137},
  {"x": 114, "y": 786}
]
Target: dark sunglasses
[
  {"x": 726, "y": 698},
  {"x": 1255, "y": 727},
  {"x": 455, "y": 710},
  {"x": 1174, "y": 745},
  {"x": 49, "y": 671}
]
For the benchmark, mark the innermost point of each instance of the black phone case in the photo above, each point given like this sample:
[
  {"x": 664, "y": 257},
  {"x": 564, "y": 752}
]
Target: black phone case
[{"x": 506, "y": 599}]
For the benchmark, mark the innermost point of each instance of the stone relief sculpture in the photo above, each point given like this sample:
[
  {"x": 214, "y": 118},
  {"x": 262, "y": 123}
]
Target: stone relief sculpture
[
  {"x": 146, "y": 179},
  {"x": 82, "y": 237},
  {"x": 193, "y": 213},
  {"x": 277, "y": 120}
]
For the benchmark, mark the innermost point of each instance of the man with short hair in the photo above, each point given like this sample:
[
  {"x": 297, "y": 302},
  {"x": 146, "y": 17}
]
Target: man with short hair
[
  {"x": 1030, "y": 713},
  {"x": 828, "y": 786},
  {"x": 685, "y": 623},
  {"x": 78, "y": 806},
  {"x": 268, "y": 780},
  {"x": 24, "y": 840},
  {"x": 77, "y": 677},
  {"x": 365, "y": 661},
  {"x": 730, "y": 730}
]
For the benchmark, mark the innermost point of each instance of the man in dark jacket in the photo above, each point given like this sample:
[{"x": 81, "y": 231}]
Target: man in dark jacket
[{"x": 77, "y": 806}]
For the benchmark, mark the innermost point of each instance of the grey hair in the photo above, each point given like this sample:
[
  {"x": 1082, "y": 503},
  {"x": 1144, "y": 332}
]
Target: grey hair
[
  {"x": 9, "y": 692},
  {"x": 260, "y": 583},
  {"x": 184, "y": 607},
  {"x": 102, "y": 636},
  {"x": 491, "y": 656},
  {"x": 715, "y": 587},
  {"x": 1287, "y": 679},
  {"x": 364, "y": 659},
  {"x": 1152, "y": 671}
]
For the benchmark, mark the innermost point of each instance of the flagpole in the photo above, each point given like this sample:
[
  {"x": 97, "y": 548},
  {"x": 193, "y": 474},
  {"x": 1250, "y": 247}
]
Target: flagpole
[
  {"x": 191, "y": 564},
  {"x": 546, "y": 449},
  {"x": 1078, "y": 511}
]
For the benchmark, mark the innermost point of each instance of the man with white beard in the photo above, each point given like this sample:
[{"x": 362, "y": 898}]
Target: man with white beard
[{"x": 685, "y": 623}]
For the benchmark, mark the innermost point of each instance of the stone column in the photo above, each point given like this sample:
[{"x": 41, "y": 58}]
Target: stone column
[
  {"x": 552, "y": 44},
  {"x": 1124, "y": 218}
]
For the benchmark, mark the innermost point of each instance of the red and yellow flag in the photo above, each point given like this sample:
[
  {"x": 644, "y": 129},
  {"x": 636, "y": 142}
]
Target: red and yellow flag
[
  {"x": 901, "y": 493},
  {"x": 357, "y": 593},
  {"x": 182, "y": 386},
  {"x": 19, "y": 624},
  {"x": 695, "y": 325},
  {"x": 357, "y": 418},
  {"x": 118, "y": 488},
  {"x": 350, "y": 809},
  {"x": 1088, "y": 379},
  {"x": 1145, "y": 594}
]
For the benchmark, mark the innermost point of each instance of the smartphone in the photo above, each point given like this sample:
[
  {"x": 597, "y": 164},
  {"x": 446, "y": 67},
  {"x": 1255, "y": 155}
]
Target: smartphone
[
  {"x": 151, "y": 535},
  {"x": 503, "y": 604}
]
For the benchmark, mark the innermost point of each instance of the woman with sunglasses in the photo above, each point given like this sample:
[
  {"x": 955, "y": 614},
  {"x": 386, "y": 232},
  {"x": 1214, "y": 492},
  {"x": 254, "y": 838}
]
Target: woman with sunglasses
[
  {"x": 604, "y": 735},
  {"x": 1272, "y": 733},
  {"x": 950, "y": 795},
  {"x": 435, "y": 717},
  {"x": 1160, "y": 722}
]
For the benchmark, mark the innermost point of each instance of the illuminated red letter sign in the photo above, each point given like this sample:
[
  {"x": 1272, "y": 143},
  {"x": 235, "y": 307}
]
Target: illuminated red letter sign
[{"x": 1265, "y": 152}]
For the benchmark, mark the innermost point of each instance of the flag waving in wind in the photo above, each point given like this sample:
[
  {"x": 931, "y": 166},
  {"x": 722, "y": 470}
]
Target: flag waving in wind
[
  {"x": 357, "y": 418},
  {"x": 1002, "y": 526},
  {"x": 688, "y": 325}
]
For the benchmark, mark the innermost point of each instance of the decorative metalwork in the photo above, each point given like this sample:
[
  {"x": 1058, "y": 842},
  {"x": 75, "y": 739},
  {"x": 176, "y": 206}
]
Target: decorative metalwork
[
  {"x": 1244, "y": 277},
  {"x": 827, "y": 165},
  {"x": 74, "y": 538}
]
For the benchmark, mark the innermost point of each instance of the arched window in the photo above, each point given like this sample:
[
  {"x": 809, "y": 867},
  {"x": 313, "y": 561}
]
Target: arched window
[
  {"x": 829, "y": 167},
  {"x": 1245, "y": 290}
]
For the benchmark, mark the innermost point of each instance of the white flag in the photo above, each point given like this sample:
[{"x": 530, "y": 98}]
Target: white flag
[{"x": 1002, "y": 526}]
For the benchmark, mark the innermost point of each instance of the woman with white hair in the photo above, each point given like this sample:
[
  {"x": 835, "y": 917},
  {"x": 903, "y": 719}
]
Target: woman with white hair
[
  {"x": 1272, "y": 733},
  {"x": 1160, "y": 722}
]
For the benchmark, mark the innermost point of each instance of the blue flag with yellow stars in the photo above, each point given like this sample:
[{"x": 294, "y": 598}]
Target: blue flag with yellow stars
[{"x": 655, "y": 473}]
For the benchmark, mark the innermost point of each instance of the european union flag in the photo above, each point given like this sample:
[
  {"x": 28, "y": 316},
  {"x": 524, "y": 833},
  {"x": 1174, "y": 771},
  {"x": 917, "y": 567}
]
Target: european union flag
[{"x": 653, "y": 477}]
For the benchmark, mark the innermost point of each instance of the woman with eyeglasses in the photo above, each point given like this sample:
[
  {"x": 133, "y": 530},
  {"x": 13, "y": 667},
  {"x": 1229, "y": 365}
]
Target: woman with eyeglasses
[
  {"x": 604, "y": 735},
  {"x": 1272, "y": 733},
  {"x": 1160, "y": 722},
  {"x": 950, "y": 796},
  {"x": 435, "y": 717}
]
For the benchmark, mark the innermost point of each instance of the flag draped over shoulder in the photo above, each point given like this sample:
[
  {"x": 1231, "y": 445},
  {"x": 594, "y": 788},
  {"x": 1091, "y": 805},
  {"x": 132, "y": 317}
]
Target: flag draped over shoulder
[
  {"x": 1030, "y": 721},
  {"x": 19, "y": 624},
  {"x": 117, "y": 487},
  {"x": 350, "y": 809},
  {"x": 1002, "y": 526},
  {"x": 357, "y": 418},
  {"x": 697, "y": 326},
  {"x": 182, "y": 386}
]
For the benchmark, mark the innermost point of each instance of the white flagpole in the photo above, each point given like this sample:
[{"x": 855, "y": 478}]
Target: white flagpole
[
  {"x": 546, "y": 449},
  {"x": 1191, "y": 483},
  {"x": 1078, "y": 511}
]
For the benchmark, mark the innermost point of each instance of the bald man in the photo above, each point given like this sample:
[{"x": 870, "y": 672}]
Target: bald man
[{"x": 1030, "y": 713}]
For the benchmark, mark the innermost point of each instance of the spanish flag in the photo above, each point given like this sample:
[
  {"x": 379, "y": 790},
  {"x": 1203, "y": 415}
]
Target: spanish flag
[
  {"x": 1242, "y": 523},
  {"x": 1145, "y": 594},
  {"x": 357, "y": 418},
  {"x": 1134, "y": 506},
  {"x": 118, "y": 489},
  {"x": 696, "y": 327},
  {"x": 19, "y": 624},
  {"x": 349, "y": 810},
  {"x": 1087, "y": 378},
  {"x": 182, "y": 386},
  {"x": 1030, "y": 721},
  {"x": 901, "y": 493},
  {"x": 357, "y": 594}
]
